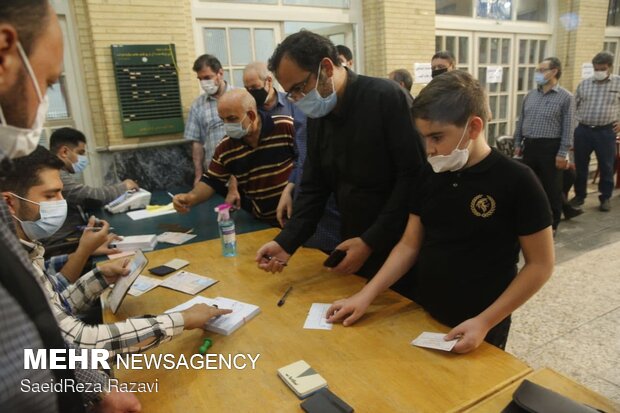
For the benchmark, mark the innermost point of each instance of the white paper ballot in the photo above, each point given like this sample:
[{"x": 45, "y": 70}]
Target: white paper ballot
[
  {"x": 143, "y": 284},
  {"x": 151, "y": 213},
  {"x": 188, "y": 282},
  {"x": 317, "y": 319},
  {"x": 434, "y": 341},
  {"x": 176, "y": 238}
]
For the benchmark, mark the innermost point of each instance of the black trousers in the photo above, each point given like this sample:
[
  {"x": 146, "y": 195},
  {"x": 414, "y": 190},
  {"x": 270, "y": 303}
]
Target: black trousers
[{"x": 539, "y": 154}]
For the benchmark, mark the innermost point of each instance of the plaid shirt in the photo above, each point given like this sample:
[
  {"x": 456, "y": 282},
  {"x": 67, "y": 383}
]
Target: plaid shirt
[
  {"x": 18, "y": 333},
  {"x": 121, "y": 337},
  {"x": 204, "y": 125},
  {"x": 547, "y": 115},
  {"x": 598, "y": 103}
]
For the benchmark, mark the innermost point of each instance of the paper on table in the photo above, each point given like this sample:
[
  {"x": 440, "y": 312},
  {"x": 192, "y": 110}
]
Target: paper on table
[
  {"x": 188, "y": 282},
  {"x": 150, "y": 213},
  {"x": 143, "y": 284},
  {"x": 317, "y": 319},
  {"x": 434, "y": 341},
  {"x": 176, "y": 238}
]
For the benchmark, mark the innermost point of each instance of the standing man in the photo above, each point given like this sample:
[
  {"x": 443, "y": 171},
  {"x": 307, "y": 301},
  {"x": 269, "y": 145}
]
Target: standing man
[
  {"x": 204, "y": 127},
  {"x": 405, "y": 81},
  {"x": 361, "y": 147},
  {"x": 598, "y": 102},
  {"x": 544, "y": 131},
  {"x": 345, "y": 55},
  {"x": 259, "y": 82},
  {"x": 31, "y": 54},
  {"x": 442, "y": 62}
]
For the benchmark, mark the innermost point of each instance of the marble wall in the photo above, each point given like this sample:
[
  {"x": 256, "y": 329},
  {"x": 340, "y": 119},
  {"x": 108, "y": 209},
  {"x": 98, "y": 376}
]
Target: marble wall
[{"x": 156, "y": 168}]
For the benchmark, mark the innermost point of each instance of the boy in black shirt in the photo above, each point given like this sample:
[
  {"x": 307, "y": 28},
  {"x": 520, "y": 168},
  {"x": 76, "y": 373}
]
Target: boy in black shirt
[{"x": 470, "y": 214}]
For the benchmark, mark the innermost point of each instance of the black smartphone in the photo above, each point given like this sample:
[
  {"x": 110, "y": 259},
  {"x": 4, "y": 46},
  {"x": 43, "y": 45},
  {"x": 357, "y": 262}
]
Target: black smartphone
[
  {"x": 334, "y": 258},
  {"x": 161, "y": 270}
]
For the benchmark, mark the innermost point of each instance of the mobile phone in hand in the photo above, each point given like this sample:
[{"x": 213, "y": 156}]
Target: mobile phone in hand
[{"x": 335, "y": 258}]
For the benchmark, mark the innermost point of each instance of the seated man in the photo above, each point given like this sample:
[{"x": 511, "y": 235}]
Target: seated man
[
  {"x": 466, "y": 224},
  {"x": 258, "y": 150},
  {"x": 32, "y": 191},
  {"x": 70, "y": 146}
]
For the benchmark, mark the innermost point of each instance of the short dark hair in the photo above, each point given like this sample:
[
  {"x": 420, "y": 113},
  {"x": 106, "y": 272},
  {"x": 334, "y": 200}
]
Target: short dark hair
[
  {"x": 305, "y": 48},
  {"x": 24, "y": 173},
  {"x": 65, "y": 136},
  {"x": 403, "y": 75},
  {"x": 446, "y": 55},
  {"x": 208, "y": 61},
  {"x": 29, "y": 17},
  {"x": 451, "y": 98},
  {"x": 603, "y": 58},
  {"x": 345, "y": 51},
  {"x": 554, "y": 63}
]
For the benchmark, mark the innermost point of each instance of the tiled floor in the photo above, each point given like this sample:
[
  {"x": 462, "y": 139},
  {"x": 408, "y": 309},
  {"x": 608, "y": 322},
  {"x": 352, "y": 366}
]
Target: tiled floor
[{"x": 573, "y": 324}]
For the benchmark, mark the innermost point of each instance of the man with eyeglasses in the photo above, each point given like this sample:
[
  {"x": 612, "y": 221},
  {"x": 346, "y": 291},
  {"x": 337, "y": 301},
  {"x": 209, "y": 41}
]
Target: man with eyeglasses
[
  {"x": 544, "y": 132},
  {"x": 361, "y": 147}
]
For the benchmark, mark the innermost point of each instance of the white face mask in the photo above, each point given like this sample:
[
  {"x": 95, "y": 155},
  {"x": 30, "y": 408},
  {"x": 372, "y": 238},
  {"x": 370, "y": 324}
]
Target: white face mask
[
  {"x": 600, "y": 75},
  {"x": 14, "y": 141},
  {"x": 209, "y": 86},
  {"x": 53, "y": 215},
  {"x": 456, "y": 160}
]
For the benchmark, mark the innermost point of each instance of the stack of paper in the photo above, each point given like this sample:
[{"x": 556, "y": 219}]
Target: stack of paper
[
  {"x": 136, "y": 242},
  {"x": 301, "y": 378},
  {"x": 225, "y": 324}
]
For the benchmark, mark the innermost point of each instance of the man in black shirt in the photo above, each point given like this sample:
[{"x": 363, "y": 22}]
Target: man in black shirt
[
  {"x": 361, "y": 146},
  {"x": 466, "y": 225}
]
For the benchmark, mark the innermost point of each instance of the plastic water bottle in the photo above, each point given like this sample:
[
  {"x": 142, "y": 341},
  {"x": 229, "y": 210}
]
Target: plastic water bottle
[{"x": 227, "y": 230}]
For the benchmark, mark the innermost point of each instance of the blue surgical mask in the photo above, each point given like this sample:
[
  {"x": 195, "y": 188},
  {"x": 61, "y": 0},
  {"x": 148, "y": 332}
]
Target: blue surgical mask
[
  {"x": 81, "y": 164},
  {"x": 236, "y": 130},
  {"x": 53, "y": 215},
  {"x": 316, "y": 106},
  {"x": 540, "y": 79}
]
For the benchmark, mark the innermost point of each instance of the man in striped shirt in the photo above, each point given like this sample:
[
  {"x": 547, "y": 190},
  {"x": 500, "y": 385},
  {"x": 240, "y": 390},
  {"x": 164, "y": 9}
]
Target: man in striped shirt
[
  {"x": 598, "y": 104},
  {"x": 258, "y": 150}
]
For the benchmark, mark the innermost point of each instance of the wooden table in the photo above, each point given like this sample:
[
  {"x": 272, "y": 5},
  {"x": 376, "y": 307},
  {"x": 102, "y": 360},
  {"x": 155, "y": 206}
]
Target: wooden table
[
  {"x": 553, "y": 381},
  {"x": 371, "y": 365}
]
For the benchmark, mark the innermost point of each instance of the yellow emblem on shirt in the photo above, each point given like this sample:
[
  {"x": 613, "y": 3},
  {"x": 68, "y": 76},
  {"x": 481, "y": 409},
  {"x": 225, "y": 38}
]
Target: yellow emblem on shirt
[{"x": 482, "y": 206}]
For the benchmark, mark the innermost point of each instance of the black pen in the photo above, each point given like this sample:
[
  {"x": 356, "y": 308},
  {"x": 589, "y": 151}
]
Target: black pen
[{"x": 283, "y": 299}]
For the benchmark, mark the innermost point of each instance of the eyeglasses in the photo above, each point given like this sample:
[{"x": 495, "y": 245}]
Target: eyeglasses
[{"x": 297, "y": 91}]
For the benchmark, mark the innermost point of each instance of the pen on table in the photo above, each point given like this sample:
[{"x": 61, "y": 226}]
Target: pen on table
[
  {"x": 85, "y": 228},
  {"x": 283, "y": 299},
  {"x": 269, "y": 258}
]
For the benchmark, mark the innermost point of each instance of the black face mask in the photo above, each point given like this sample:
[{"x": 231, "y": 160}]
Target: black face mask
[
  {"x": 259, "y": 95},
  {"x": 437, "y": 72}
]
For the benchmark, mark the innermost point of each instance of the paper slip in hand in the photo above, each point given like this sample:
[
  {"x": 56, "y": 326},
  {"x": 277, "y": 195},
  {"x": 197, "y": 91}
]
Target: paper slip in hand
[
  {"x": 176, "y": 238},
  {"x": 317, "y": 319},
  {"x": 143, "y": 284},
  {"x": 188, "y": 282},
  {"x": 434, "y": 341},
  {"x": 121, "y": 255}
]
